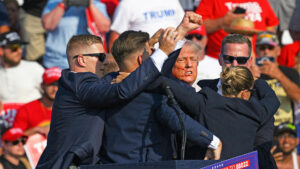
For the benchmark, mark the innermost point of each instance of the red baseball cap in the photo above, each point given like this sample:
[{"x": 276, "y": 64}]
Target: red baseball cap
[
  {"x": 200, "y": 31},
  {"x": 51, "y": 75},
  {"x": 12, "y": 134}
]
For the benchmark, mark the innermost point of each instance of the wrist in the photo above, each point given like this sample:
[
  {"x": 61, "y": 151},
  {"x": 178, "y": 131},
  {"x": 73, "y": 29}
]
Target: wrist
[
  {"x": 62, "y": 6},
  {"x": 181, "y": 32}
]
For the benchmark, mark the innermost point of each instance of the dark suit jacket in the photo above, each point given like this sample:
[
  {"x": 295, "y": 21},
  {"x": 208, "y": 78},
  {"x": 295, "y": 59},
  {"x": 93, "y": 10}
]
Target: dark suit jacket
[
  {"x": 233, "y": 120},
  {"x": 140, "y": 131},
  {"x": 264, "y": 135},
  {"x": 77, "y": 122},
  {"x": 266, "y": 130}
]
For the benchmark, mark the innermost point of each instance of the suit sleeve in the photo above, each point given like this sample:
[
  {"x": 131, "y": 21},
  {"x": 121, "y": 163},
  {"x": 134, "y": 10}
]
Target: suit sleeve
[
  {"x": 186, "y": 96},
  {"x": 94, "y": 92},
  {"x": 267, "y": 98},
  {"x": 195, "y": 131}
]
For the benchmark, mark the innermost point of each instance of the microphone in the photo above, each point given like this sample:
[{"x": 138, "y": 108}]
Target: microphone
[
  {"x": 169, "y": 93},
  {"x": 173, "y": 103}
]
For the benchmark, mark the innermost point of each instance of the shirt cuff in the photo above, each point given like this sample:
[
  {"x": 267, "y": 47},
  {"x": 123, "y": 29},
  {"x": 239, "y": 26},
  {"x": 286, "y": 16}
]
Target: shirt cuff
[
  {"x": 179, "y": 44},
  {"x": 158, "y": 58},
  {"x": 214, "y": 143}
]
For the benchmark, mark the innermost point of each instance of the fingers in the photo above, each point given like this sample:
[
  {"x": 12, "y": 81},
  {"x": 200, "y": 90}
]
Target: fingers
[
  {"x": 168, "y": 40},
  {"x": 154, "y": 39},
  {"x": 273, "y": 149}
]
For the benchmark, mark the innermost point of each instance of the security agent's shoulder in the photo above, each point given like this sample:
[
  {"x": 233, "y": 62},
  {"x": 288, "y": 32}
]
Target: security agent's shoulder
[
  {"x": 110, "y": 76},
  {"x": 211, "y": 83}
]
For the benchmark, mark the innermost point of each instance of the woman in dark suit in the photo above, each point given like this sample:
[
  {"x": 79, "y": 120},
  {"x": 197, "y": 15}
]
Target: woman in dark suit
[{"x": 233, "y": 118}]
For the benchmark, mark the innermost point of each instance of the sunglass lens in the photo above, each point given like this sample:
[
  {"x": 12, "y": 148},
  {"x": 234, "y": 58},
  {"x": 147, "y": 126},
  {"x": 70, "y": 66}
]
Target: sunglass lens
[
  {"x": 102, "y": 57},
  {"x": 228, "y": 58},
  {"x": 242, "y": 60}
]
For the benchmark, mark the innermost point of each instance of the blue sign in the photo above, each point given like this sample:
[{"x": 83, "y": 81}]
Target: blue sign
[{"x": 246, "y": 161}]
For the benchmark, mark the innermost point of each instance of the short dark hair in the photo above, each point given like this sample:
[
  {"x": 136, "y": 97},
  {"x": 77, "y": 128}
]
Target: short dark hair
[
  {"x": 236, "y": 38},
  {"x": 83, "y": 40},
  {"x": 127, "y": 43}
]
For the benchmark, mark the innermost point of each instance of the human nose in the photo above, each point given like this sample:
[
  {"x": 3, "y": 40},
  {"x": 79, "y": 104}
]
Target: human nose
[
  {"x": 235, "y": 63},
  {"x": 188, "y": 63}
]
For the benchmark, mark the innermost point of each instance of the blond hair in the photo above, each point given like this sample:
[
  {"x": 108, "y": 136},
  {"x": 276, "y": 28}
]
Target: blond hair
[{"x": 236, "y": 79}]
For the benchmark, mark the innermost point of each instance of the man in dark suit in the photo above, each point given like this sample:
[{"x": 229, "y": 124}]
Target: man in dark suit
[
  {"x": 140, "y": 125},
  {"x": 236, "y": 50},
  {"x": 77, "y": 123}
]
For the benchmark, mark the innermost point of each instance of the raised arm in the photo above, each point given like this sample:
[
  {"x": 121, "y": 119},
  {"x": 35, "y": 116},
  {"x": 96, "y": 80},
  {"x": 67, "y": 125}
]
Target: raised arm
[{"x": 266, "y": 97}]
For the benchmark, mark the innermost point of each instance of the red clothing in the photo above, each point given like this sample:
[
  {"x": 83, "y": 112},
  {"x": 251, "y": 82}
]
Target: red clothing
[
  {"x": 258, "y": 11},
  {"x": 31, "y": 115},
  {"x": 288, "y": 54}
]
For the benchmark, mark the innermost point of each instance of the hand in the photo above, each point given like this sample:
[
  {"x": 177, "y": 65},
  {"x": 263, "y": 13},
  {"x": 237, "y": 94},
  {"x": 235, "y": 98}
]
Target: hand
[
  {"x": 271, "y": 69},
  {"x": 214, "y": 154},
  {"x": 277, "y": 156},
  {"x": 155, "y": 38},
  {"x": 229, "y": 17},
  {"x": 190, "y": 21},
  {"x": 40, "y": 130},
  {"x": 255, "y": 71},
  {"x": 168, "y": 40}
]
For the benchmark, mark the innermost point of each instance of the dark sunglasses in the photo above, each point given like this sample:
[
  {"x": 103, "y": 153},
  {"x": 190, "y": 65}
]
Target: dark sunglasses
[
  {"x": 101, "y": 56},
  {"x": 190, "y": 37},
  {"x": 13, "y": 47},
  {"x": 239, "y": 60},
  {"x": 23, "y": 140},
  {"x": 264, "y": 47}
]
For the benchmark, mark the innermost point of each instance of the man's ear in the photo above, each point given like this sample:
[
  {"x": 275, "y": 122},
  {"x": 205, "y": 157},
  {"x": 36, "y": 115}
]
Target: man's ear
[
  {"x": 140, "y": 59},
  {"x": 81, "y": 60}
]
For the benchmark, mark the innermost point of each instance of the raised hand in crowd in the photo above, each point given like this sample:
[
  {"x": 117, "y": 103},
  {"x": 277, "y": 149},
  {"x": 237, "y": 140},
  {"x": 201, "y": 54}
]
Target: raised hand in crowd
[
  {"x": 255, "y": 70},
  {"x": 230, "y": 16},
  {"x": 278, "y": 156},
  {"x": 271, "y": 69}
]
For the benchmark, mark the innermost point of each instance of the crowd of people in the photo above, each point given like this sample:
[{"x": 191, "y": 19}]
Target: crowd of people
[{"x": 100, "y": 79}]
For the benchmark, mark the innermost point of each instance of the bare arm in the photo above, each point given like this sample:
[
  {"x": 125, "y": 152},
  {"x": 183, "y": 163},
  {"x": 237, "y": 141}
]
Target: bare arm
[
  {"x": 213, "y": 25},
  {"x": 51, "y": 19},
  {"x": 40, "y": 130},
  {"x": 113, "y": 36},
  {"x": 272, "y": 69},
  {"x": 102, "y": 22}
]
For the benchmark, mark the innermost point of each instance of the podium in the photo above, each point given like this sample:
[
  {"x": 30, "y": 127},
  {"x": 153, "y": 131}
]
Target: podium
[{"x": 246, "y": 161}]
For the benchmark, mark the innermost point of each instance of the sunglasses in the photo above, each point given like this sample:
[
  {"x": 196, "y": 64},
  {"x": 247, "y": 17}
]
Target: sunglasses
[
  {"x": 190, "y": 37},
  {"x": 239, "y": 60},
  {"x": 13, "y": 47},
  {"x": 23, "y": 140},
  {"x": 101, "y": 56},
  {"x": 264, "y": 47}
]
